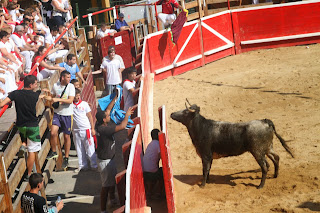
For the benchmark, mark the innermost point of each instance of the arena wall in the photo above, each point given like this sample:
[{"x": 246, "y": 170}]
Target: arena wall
[
  {"x": 201, "y": 42},
  {"x": 233, "y": 32}
]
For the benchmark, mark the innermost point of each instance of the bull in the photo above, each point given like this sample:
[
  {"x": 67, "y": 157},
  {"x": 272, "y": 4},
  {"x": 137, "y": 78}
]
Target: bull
[{"x": 217, "y": 139}]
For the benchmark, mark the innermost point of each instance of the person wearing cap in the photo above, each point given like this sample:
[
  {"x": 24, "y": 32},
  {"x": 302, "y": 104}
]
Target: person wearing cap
[{"x": 121, "y": 24}]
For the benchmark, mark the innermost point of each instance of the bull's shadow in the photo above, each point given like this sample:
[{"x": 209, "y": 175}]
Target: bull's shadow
[{"x": 220, "y": 179}]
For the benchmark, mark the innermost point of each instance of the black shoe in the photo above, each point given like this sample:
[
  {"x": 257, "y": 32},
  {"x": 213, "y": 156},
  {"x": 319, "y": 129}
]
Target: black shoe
[
  {"x": 52, "y": 155},
  {"x": 22, "y": 151},
  {"x": 65, "y": 163}
]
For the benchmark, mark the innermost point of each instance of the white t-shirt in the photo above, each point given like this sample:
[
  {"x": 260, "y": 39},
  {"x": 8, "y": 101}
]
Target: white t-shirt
[
  {"x": 118, "y": 57},
  {"x": 151, "y": 157},
  {"x": 113, "y": 74},
  {"x": 9, "y": 45},
  {"x": 127, "y": 95},
  {"x": 19, "y": 41},
  {"x": 101, "y": 34},
  {"x": 49, "y": 39},
  {"x": 56, "y": 12},
  {"x": 64, "y": 109},
  {"x": 81, "y": 121}
]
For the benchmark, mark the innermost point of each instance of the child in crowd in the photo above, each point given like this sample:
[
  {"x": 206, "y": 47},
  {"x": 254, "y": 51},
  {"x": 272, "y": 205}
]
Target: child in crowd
[
  {"x": 129, "y": 87},
  {"x": 104, "y": 31},
  {"x": 75, "y": 83}
]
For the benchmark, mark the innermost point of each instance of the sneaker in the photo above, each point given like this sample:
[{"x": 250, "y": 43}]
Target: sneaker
[
  {"x": 65, "y": 163},
  {"x": 52, "y": 155},
  {"x": 22, "y": 151}
]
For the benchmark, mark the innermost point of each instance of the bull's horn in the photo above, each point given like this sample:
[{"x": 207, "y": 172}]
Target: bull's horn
[
  {"x": 190, "y": 110},
  {"x": 188, "y": 101}
]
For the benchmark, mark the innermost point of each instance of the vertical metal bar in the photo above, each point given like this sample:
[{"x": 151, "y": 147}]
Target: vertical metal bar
[{"x": 155, "y": 8}]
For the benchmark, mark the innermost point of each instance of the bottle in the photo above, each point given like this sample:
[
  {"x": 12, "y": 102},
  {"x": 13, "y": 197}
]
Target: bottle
[{"x": 58, "y": 200}]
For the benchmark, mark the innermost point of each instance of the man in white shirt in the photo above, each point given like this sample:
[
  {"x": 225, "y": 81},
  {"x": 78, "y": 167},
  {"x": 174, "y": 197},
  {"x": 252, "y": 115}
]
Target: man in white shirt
[
  {"x": 129, "y": 87},
  {"x": 113, "y": 69},
  {"x": 50, "y": 40},
  {"x": 104, "y": 31},
  {"x": 152, "y": 174},
  {"x": 26, "y": 49},
  {"x": 116, "y": 56},
  {"x": 83, "y": 130},
  {"x": 62, "y": 117}
]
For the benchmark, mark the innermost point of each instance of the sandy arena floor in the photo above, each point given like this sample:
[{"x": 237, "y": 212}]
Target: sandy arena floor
[{"x": 279, "y": 84}]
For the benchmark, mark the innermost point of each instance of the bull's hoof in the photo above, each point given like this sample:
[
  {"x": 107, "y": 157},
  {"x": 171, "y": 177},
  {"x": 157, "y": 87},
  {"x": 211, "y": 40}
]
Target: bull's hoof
[
  {"x": 202, "y": 185},
  {"x": 260, "y": 186}
]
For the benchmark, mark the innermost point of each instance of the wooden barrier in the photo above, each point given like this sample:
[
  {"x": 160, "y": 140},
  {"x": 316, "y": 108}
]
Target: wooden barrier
[{"x": 166, "y": 161}]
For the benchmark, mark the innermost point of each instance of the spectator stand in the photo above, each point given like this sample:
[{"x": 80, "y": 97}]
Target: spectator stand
[
  {"x": 124, "y": 42},
  {"x": 12, "y": 168}
]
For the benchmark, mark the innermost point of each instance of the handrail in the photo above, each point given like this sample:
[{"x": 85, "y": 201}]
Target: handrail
[
  {"x": 98, "y": 12},
  {"x": 35, "y": 66},
  {"x": 89, "y": 15}
]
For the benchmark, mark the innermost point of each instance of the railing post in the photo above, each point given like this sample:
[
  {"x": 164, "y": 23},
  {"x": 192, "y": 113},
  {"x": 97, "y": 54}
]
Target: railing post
[{"x": 4, "y": 186}]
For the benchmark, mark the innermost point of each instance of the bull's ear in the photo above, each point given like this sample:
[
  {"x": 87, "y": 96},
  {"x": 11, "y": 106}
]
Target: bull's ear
[{"x": 197, "y": 109}]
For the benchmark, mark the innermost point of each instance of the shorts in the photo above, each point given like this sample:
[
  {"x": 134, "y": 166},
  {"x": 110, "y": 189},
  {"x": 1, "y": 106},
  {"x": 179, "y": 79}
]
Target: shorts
[
  {"x": 31, "y": 133},
  {"x": 108, "y": 172},
  {"x": 153, "y": 176},
  {"x": 33, "y": 146},
  {"x": 64, "y": 122},
  {"x": 33, "y": 136}
]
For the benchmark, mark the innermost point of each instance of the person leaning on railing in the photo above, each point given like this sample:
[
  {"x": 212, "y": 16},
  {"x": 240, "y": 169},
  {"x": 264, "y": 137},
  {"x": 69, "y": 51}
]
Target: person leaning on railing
[
  {"x": 105, "y": 131},
  {"x": 121, "y": 24},
  {"x": 27, "y": 120},
  {"x": 104, "y": 31}
]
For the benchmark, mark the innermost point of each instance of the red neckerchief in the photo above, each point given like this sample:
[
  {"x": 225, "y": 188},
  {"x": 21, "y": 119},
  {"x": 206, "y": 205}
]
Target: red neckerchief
[
  {"x": 6, "y": 10},
  {"x": 79, "y": 102},
  {"x": 128, "y": 80},
  {"x": 17, "y": 34}
]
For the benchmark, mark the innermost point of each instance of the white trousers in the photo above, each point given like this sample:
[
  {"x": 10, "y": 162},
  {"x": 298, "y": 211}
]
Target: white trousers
[
  {"x": 85, "y": 151},
  {"x": 167, "y": 19},
  {"x": 60, "y": 53},
  {"x": 44, "y": 74},
  {"x": 10, "y": 84},
  {"x": 28, "y": 55}
]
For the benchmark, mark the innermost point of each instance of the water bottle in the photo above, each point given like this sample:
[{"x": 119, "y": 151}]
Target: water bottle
[{"x": 58, "y": 200}]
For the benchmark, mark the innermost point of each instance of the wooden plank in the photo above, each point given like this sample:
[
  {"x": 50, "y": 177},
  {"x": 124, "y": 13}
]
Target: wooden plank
[
  {"x": 45, "y": 148},
  {"x": 193, "y": 16},
  {"x": 12, "y": 149},
  {"x": 16, "y": 205},
  {"x": 191, "y": 4},
  {"x": 17, "y": 175},
  {"x": 120, "y": 210},
  {"x": 121, "y": 186},
  {"x": 7, "y": 202}
]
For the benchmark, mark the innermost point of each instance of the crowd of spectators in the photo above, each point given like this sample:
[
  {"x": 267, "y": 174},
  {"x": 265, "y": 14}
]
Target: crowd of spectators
[{"x": 25, "y": 35}]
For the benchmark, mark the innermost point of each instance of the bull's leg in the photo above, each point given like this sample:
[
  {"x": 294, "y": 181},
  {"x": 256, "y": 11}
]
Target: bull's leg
[
  {"x": 206, "y": 164},
  {"x": 275, "y": 159},
  {"x": 209, "y": 172},
  {"x": 268, "y": 165},
  {"x": 261, "y": 159}
]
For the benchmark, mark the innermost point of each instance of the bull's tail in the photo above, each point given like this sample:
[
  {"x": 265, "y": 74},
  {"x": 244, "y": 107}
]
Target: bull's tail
[{"x": 283, "y": 142}]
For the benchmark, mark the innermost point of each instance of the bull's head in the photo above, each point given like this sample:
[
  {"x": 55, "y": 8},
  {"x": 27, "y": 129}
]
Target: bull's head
[{"x": 186, "y": 115}]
